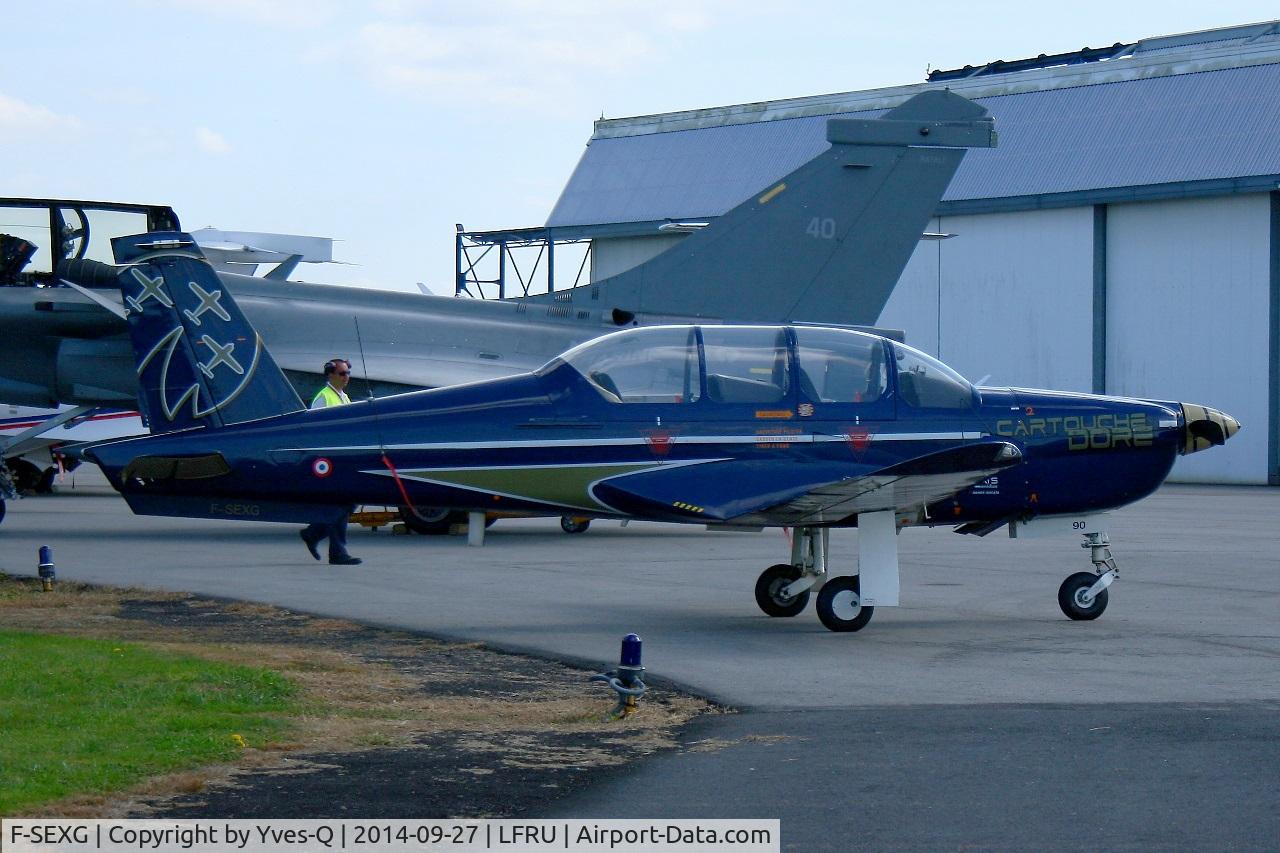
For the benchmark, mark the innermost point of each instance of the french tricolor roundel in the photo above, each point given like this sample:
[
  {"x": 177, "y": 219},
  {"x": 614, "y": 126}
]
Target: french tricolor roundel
[{"x": 322, "y": 467}]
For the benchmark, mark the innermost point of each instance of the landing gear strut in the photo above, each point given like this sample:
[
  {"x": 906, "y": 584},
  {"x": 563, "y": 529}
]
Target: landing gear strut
[
  {"x": 1083, "y": 596},
  {"x": 844, "y": 603},
  {"x": 783, "y": 590}
]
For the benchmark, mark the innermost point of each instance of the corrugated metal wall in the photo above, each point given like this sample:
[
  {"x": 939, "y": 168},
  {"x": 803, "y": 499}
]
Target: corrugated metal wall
[
  {"x": 1188, "y": 291},
  {"x": 1009, "y": 296}
]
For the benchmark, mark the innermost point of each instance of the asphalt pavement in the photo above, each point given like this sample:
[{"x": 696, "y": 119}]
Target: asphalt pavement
[{"x": 975, "y": 715}]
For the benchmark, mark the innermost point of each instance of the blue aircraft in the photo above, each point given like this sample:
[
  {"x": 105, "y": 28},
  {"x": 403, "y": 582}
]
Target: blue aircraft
[{"x": 807, "y": 427}]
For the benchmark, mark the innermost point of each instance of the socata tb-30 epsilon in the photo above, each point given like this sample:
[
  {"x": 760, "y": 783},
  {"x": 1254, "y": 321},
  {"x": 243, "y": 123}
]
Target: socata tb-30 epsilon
[{"x": 807, "y": 427}]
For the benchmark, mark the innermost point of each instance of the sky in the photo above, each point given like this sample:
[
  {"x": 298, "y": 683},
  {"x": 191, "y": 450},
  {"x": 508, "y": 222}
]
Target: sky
[{"x": 382, "y": 123}]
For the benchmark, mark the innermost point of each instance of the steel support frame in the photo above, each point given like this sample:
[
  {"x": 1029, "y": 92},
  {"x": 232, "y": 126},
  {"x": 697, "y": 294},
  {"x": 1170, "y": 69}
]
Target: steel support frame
[{"x": 470, "y": 252}]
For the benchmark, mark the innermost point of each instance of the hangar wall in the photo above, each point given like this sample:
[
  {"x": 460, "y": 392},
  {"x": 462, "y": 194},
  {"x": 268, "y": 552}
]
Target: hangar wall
[
  {"x": 619, "y": 254},
  {"x": 1188, "y": 293},
  {"x": 955, "y": 303}
]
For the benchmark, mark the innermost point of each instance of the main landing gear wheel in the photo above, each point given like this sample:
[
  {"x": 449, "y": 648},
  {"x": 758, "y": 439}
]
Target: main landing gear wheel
[
  {"x": 769, "y": 586},
  {"x": 571, "y": 524},
  {"x": 30, "y": 479},
  {"x": 430, "y": 520},
  {"x": 1073, "y": 597},
  {"x": 840, "y": 605}
]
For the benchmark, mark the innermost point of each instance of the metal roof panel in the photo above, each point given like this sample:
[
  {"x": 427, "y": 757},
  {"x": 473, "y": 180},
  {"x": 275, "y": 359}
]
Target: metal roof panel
[{"x": 1185, "y": 127}]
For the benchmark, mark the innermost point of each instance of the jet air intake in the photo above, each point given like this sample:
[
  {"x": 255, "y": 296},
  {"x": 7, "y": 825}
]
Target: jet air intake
[{"x": 1205, "y": 428}]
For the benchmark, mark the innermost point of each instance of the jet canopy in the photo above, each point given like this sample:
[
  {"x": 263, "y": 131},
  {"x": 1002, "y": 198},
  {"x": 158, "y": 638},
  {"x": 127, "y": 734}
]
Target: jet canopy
[
  {"x": 761, "y": 365},
  {"x": 41, "y": 235}
]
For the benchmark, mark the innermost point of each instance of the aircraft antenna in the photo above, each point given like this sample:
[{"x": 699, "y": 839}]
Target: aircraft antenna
[
  {"x": 368, "y": 387},
  {"x": 377, "y": 423}
]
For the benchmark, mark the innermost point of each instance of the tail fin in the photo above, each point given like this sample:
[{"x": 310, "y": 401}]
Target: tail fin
[
  {"x": 825, "y": 243},
  {"x": 200, "y": 363}
]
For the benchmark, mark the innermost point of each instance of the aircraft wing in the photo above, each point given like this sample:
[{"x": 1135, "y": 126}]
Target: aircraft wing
[
  {"x": 753, "y": 493},
  {"x": 907, "y": 485}
]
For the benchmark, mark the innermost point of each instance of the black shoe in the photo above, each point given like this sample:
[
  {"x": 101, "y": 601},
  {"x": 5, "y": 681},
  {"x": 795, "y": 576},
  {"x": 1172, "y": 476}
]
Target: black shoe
[
  {"x": 345, "y": 560},
  {"x": 311, "y": 544}
]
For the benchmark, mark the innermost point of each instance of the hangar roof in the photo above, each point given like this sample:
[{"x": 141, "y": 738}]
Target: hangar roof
[{"x": 1166, "y": 117}]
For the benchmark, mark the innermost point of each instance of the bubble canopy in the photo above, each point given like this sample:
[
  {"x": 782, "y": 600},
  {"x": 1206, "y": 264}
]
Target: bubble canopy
[
  {"x": 926, "y": 383},
  {"x": 762, "y": 365}
]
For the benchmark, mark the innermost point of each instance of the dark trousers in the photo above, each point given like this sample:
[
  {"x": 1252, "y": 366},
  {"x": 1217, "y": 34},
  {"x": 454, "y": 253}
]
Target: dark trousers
[{"x": 336, "y": 533}]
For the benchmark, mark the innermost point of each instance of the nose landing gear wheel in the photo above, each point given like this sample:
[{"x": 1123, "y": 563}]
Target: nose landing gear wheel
[
  {"x": 1073, "y": 601},
  {"x": 840, "y": 605},
  {"x": 771, "y": 581}
]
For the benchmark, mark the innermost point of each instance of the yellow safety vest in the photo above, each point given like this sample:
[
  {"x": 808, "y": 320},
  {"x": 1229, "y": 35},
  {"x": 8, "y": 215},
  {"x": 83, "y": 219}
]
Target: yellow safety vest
[{"x": 330, "y": 397}]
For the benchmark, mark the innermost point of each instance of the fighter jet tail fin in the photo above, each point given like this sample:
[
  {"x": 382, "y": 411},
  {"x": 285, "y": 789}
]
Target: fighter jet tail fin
[
  {"x": 200, "y": 363},
  {"x": 825, "y": 243}
]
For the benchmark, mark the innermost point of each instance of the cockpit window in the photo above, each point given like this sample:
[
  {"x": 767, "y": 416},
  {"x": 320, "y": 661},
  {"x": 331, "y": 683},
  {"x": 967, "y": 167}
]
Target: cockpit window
[
  {"x": 745, "y": 364},
  {"x": 87, "y": 233},
  {"x": 657, "y": 365},
  {"x": 30, "y": 224},
  {"x": 58, "y": 233},
  {"x": 925, "y": 382},
  {"x": 838, "y": 366}
]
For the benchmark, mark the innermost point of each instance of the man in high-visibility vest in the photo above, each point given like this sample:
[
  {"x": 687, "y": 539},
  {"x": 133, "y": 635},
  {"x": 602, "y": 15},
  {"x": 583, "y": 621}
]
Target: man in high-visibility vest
[{"x": 337, "y": 374}]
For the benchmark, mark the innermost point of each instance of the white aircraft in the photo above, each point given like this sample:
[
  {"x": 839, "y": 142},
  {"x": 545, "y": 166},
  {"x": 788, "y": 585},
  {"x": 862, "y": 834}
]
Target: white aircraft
[{"x": 33, "y": 440}]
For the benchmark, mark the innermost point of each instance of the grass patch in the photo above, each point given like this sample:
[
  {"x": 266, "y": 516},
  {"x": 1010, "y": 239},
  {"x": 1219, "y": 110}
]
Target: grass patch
[
  {"x": 87, "y": 731},
  {"x": 88, "y": 715}
]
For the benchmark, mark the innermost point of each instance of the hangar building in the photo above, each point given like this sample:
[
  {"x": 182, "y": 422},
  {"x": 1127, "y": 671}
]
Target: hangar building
[{"x": 1123, "y": 238}]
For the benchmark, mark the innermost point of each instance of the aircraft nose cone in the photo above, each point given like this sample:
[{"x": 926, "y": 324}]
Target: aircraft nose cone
[{"x": 1206, "y": 427}]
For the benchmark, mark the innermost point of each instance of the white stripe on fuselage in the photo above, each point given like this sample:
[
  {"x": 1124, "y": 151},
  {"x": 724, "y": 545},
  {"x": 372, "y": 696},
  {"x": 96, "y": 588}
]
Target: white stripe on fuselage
[{"x": 772, "y": 438}]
